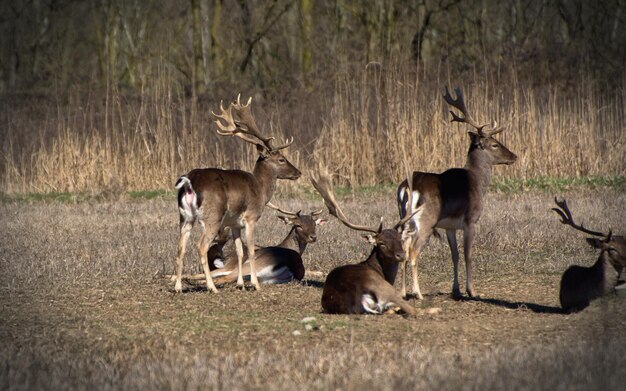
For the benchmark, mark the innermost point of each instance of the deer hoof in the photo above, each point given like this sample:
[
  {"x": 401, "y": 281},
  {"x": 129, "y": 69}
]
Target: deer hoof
[{"x": 413, "y": 295}]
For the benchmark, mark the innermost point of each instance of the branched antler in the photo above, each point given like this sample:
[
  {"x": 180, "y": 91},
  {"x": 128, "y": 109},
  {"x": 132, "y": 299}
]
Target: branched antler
[
  {"x": 459, "y": 103},
  {"x": 567, "y": 219},
  {"x": 290, "y": 213},
  {"x": 241, "y": 123},
  {"x": 283, "y": 211},
  {"x": 323, "y": 185}
]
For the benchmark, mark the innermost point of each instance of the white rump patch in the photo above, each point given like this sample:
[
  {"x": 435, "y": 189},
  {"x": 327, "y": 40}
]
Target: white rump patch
[
  {"x": 218, "y": 263},
  {"x": 269, "y": 275},
  {"x": 403, "y": 202},
  {"x": 188, "y": 207},
  {"x": 373, "y": 306},
  {"x": 221, "y": 273},
  {"x": 182, "y": 181}
]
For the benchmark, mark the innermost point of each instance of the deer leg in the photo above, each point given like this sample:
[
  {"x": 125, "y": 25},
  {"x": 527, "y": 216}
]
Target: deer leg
[
  {"x": 414, "y": 255},
  {"x": 239, "y": 251},
  {"x": 209, "y": 233},
  {"x": 185, "y": 231},
  {"x": 468, "y": 239},
  {"x": 454, "y": 249},
  {"x": 251, "y": 260},
  {"x": 407, "y": 244}
]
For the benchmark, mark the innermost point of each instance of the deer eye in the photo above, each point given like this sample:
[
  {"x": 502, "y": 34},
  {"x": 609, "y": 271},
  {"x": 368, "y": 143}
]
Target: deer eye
[
  {"x": 281, "y": 160},
  {"x": 382, "y": 245},
  {"x": 494, "y": 146}
]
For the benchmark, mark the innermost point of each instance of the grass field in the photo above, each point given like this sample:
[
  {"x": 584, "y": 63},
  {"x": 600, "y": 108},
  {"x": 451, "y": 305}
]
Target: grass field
[{"x": 85, "y": 305}]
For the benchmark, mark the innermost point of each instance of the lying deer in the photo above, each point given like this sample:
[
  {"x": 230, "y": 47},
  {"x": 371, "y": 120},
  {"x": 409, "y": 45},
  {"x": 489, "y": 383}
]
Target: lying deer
[
  {"x": 215, "y": 255},
  {"x": 219, "y": 198},
  {"x": 580, "y": 285},
  {"x": 366, "y": 287},
  {"x": 282, "y": 263},
  {"x": 454, "y": 199}
]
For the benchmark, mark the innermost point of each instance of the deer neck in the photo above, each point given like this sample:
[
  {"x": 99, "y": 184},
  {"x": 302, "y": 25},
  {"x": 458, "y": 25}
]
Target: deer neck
[
  {"x": 292, "y": 243},
  {"x": 480, "y": 167},
  {"x": 387, "y": 270},
  {"x": 609, "y": 270},
  {"x": 266, "y": 179}
]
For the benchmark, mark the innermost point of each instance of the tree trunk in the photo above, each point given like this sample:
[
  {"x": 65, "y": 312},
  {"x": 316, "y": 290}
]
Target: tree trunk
[
  {"x": 306, "y": 55},
  {"x": 198, "y": 74}
]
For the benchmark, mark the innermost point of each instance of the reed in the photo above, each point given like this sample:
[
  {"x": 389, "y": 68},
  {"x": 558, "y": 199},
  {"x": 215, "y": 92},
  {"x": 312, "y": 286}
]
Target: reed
[
  {"x": 380, "y": 119},
  {"x": 370, "y": 120}
]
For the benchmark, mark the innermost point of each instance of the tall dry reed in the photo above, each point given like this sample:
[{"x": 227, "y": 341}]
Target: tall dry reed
[
  {"x": 381, "y": 118},
  {"x": 372, "y": 119}
]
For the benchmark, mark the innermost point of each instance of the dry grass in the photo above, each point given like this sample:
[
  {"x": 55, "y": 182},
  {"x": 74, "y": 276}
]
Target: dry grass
[
  {"x": 363, "y": 125},
  {"x": 83, "y": 306}
]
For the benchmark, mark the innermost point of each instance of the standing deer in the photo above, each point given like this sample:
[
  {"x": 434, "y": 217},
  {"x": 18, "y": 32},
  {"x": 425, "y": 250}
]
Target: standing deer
[
  {"x": 282, "y": 263},
  {"x": 452, "y": 200},
  {"x": 366, "y": 287},
  {"x": 219, "y": 198},
  {"x": 580, "y": 285}
]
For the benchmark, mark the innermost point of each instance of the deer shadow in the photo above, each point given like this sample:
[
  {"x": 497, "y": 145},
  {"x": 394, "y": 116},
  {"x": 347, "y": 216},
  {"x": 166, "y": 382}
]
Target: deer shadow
[
  {"x": 515, "y": 305},
  {"x": 313, "y": 283}
]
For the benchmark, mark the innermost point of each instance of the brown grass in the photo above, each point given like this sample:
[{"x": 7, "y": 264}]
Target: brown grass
[
  {"x": 362, "y": 125},
  {"x": 83, "y": 306}
]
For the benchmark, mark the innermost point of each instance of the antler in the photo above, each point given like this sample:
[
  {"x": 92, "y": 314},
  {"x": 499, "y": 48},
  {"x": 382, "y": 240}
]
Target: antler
[
  {"x": 230, "y": 128},
  {"x": 290, "y": 213},
  {"x": 567, "y": 219},
  {"x": 286, "y": 212},
  {"x": 317, "y": 212},
  {"x": 324, "y": 186},
  {"x": 459, "y": 103},
  {"x": 243, "y": 124}
]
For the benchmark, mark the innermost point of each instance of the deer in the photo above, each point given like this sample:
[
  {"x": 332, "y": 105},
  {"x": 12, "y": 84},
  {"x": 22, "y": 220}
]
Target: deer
[
  {"x": 218, "y": 198},
  {"x": 580, "y": 285},
  {"x": 452, "y": 200},
  {"x": 281, "y": 263},
  {"x": 366, "y": 287}
]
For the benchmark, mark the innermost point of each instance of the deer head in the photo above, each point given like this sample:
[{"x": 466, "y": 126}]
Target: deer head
[
  {"x": 239, "y": 122},
  {"x": 388, "y": 242},
  {"x": 304, "y": 225},
  {"x": 610, "y": 245},
  {"x": 481, "y": 138}
]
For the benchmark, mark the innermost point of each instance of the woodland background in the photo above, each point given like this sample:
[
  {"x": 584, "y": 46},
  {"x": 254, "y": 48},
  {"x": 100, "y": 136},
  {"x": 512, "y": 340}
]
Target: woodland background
[{"x": 116, "y": 95}]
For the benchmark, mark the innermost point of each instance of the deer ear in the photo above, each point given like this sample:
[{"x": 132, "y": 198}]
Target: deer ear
[
  {"x": 595, "y": 243},
  {"x": 475, "y": 138},
  {"x": 369, "y": 238},
  {"x": 321, "y": 221},
  {"x": 285, "y": 219},
  {"x": 262, "y": 151}
]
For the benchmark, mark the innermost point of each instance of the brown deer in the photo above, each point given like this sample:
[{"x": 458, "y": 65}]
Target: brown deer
[
  {"x": 452, "y": 200},
  {"x": 219, "y": 198},
  {"x": 282, "y": 263},
  {"x": 366, "y": 287},
  {"x": 580, "y": 285}
]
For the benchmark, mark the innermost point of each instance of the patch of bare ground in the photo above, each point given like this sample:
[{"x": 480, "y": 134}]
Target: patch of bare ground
[{"x": 83, "y": 305}]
